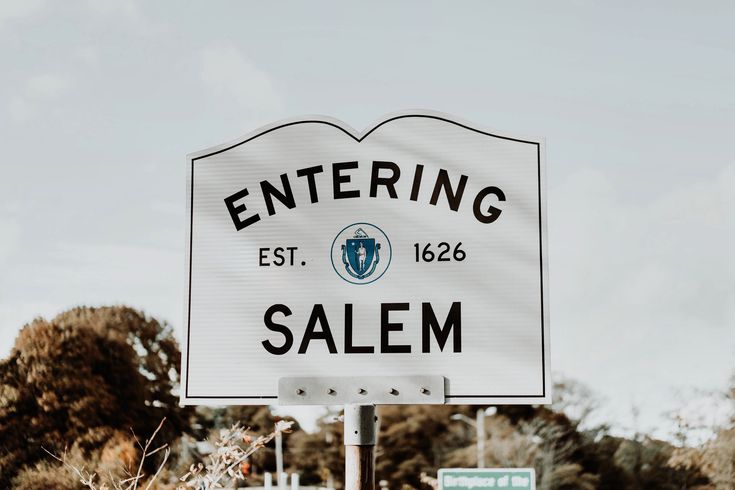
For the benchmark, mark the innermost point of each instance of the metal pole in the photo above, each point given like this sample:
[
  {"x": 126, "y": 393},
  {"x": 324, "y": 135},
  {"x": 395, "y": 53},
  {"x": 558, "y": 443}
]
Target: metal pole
[
  {"x": 480, "y": 424},
  {"x": 360, "y": 436}
]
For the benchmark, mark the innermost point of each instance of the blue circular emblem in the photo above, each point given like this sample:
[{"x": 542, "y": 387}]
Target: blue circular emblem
[{"x": 361, "y": 253}]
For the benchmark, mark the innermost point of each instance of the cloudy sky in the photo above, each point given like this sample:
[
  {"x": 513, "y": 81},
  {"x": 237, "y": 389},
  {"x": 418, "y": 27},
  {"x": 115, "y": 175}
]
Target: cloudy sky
[{"x": 100, "y": 101}]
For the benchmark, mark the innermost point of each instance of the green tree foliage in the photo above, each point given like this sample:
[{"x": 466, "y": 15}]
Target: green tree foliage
[
  {"x": 415, "y": 439},
  {"x": 84, "y": 378},
  {"x": 634, "y": 464},
  {"x": 318, "y": 456}
]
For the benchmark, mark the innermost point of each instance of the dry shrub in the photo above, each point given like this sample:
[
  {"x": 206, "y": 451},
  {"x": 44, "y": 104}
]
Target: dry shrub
[
  {"x": 47, "y": 475},
  {"x": 116, "y": 469}
]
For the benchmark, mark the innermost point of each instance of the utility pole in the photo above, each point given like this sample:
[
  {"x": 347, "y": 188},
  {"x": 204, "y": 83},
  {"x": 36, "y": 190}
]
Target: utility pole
[
  {"x": 479, "y": 425},
  {"x": 360, "y": 437}
]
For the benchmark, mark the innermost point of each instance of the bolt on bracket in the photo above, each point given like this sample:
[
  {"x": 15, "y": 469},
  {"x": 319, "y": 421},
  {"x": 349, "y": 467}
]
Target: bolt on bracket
[{"x": 378, "y": 390}]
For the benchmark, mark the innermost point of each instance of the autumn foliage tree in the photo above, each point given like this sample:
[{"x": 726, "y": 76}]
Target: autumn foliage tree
[{"x": 84, "y": 379}]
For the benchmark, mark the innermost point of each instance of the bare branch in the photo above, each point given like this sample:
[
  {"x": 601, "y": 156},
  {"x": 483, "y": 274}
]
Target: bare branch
[
  {"x": 160, "y": 468},
  {"x": 139, "y": 474}
]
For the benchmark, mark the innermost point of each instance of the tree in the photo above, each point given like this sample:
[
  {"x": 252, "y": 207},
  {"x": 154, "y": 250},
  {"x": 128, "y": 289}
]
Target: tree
[
  {"x": 415, "y": 439},
  {"x": 419, "y": 439},
  {"x": 718, "y": 455},
  {"x": 718, "y": 460},
  {"x": 84, "y": 378},
  {"x": 715, "y": 457},
  {"x": 574, "y": 399},
  {"x": 319, "y": 457}
]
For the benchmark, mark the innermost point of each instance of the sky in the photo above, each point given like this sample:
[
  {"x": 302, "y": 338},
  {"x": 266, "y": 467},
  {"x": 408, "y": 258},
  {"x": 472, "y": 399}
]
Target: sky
[{"x": 100, "y": 101}]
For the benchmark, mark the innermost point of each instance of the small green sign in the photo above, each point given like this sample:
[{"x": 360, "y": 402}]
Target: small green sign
[{"x": 477, "y": 478}]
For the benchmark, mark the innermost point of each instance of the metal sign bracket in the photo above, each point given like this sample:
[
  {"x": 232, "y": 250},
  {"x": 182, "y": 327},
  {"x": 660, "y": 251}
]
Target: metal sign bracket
[{"x": 361, "y": 390}]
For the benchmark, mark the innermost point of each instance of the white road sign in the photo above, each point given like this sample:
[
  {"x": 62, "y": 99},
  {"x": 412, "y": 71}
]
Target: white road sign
[{"x": 415, "y": 247}]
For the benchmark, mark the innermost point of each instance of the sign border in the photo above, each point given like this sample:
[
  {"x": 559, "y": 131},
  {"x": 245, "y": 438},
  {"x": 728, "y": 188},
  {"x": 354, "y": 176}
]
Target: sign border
[{"x": 544, "y": 397}]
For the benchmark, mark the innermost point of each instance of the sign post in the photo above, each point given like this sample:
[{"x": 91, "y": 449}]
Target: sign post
[
  {"x": 360, "y": 435},
  {"x": 403, "y": 264}
]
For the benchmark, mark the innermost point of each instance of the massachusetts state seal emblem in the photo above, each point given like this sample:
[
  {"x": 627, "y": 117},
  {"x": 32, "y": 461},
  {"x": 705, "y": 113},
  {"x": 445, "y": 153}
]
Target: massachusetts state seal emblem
[{"x": 361, "y": 253}]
